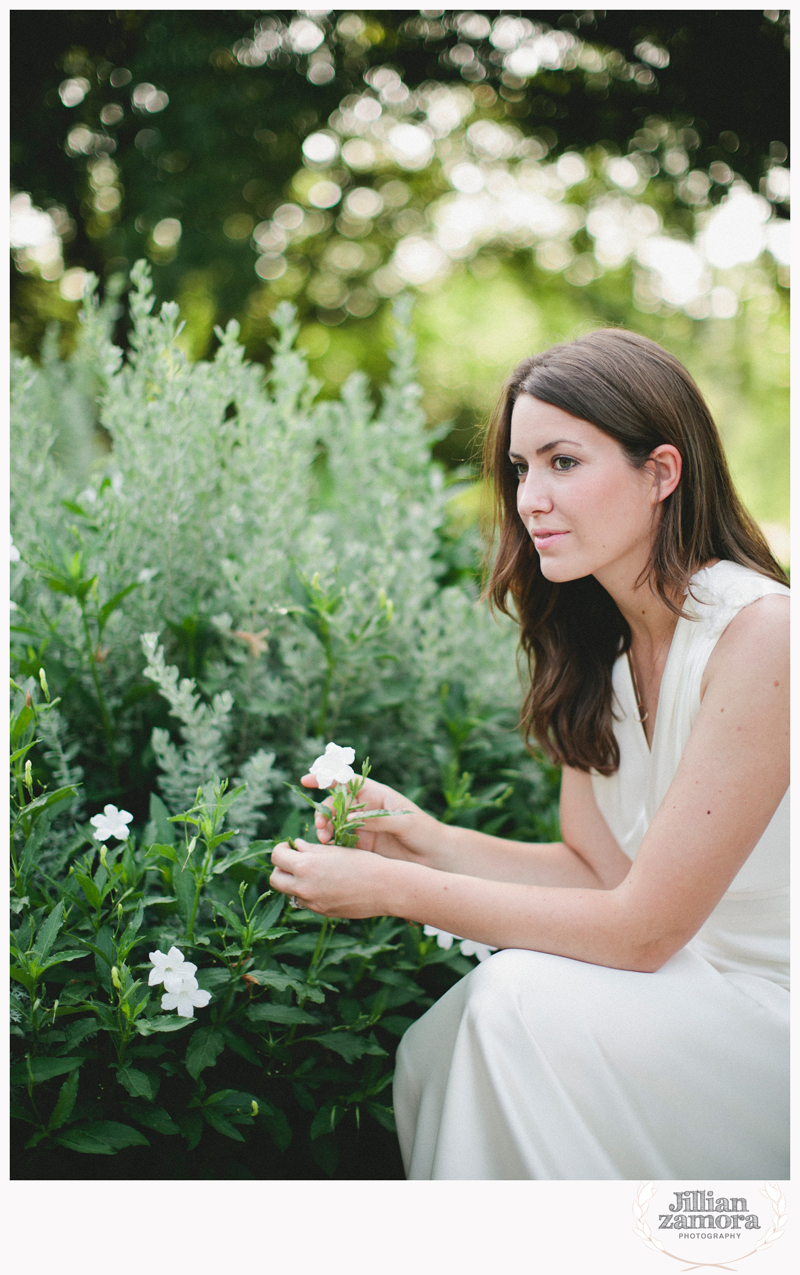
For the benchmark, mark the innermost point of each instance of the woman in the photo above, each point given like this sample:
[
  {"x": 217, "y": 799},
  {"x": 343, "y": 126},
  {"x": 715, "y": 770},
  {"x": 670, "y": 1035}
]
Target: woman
[{"x": 635, "y": 1022}]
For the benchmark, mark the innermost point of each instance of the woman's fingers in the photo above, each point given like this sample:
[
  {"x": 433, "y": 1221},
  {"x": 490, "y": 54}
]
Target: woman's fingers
[
  {"x": 282, "y": 881},
  {"x": 284, "y": 857},
  {"x": 309, "y": 781}
]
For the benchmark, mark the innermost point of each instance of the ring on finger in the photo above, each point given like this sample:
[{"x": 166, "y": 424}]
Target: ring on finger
[{"x": 294, "y": 902}]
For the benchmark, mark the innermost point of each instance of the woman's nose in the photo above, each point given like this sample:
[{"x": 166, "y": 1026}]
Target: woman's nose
[{"x": 533, "y": 496}]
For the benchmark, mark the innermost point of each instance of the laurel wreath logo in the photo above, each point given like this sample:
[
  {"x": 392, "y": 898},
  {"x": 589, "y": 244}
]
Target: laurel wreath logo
[{"x": 648, "y": 1189}]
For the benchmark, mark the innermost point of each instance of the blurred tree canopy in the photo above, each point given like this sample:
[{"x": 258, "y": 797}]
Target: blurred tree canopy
[
  {"x": 528, "y": 171},
  {"x": 217, "y": 141}
]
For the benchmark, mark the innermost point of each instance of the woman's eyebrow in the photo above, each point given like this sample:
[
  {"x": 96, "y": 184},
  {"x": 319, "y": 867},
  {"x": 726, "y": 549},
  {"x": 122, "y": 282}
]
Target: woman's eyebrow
[{"x": 548, "y": 447}]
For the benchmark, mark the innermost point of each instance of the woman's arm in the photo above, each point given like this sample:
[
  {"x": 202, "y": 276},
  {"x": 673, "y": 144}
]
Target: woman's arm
[
  {"x": 729, "y": 782},
  {"x": 588, "y": 855}
]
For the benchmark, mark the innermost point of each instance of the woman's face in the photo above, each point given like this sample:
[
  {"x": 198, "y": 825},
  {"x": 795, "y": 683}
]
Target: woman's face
[{"x": 586, "y": 508}]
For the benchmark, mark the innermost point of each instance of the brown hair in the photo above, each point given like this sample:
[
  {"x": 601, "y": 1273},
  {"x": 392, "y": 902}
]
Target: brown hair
[{"x": 572, "y": 633}]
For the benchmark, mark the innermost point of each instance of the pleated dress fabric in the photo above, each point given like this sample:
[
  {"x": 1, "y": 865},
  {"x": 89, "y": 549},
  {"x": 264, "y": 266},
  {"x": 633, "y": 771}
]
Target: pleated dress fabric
[{"x": 542, "y": 1067}]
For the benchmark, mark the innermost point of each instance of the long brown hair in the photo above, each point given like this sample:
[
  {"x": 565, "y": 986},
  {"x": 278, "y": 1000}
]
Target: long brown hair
[{"x": 572, "y": 633}]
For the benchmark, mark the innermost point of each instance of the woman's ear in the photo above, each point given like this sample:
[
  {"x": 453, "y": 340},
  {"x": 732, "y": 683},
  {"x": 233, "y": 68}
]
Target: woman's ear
[{"x": 665, "y": 463}]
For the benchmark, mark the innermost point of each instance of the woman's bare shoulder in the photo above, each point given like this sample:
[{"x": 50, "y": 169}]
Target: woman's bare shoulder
[{"x": 755, "y": 641}]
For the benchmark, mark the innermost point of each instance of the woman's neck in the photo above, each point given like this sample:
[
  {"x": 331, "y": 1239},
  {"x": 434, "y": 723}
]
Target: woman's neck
[{"x": 650, "y": 620}]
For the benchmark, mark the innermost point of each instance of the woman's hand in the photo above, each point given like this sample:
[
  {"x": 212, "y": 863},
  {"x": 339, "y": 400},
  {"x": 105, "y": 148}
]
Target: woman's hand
[
  {"x": 333, "y": 880},
  {"x": 413, "y": 835}
]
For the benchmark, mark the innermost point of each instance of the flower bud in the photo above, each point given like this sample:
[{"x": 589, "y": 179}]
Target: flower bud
[
  {"x": 43, "y": 684},
  {"x": 103, "y": 853},
  {"x": 254, "y": 1108},
  {"x": 115, "y": 979},
  {"x": 29, "y": 777}
]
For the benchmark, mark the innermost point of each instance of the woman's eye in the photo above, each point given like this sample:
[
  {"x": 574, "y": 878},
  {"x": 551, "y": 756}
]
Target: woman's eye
[
  {"x": 520, "y": 468},
  {"x": 563, "y": 464}
]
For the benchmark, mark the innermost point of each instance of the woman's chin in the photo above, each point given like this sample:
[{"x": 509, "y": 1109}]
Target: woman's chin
[{"x": 559, "y": 572}]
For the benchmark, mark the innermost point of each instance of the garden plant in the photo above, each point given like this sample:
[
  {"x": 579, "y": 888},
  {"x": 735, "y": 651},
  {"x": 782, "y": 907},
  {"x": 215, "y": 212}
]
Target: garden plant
[{"x": 248, "y": 573}]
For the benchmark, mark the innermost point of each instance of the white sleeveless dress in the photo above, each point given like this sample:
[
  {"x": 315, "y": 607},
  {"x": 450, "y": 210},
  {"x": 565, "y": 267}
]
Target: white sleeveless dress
[{"x": 539, "y": 1066}]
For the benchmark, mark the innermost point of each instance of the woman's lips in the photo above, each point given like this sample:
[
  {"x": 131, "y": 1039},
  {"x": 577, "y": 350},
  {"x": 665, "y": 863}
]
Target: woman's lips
[{"x": 544, "y": 539}]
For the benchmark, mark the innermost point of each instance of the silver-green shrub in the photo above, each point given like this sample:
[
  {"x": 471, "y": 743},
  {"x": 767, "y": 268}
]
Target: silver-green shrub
[
  {"x": 283, "y": 552},
  {"x": 219, "y": 572}
]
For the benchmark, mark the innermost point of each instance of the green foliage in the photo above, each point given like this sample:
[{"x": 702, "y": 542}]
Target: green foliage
[{"x": 250, "y": 571}]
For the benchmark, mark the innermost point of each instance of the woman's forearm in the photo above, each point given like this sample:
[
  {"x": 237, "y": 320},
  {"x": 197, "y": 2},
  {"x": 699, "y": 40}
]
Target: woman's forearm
[
  {"x": 476, "y": 854},
  {"x": 587, "y": 924}
]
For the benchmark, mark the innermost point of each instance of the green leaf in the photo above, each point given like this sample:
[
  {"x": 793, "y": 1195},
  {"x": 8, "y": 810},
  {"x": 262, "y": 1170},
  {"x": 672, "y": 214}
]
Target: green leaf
[
  {"x": 218, "y": 1122},
  {"x": 90, "y": 890},
  {"x": 20, "y": 723},
  {"x": 383, "y": 1115},
  {"x": 241, "y": 1047},
  {"x": 279, "y": 1128},
  {"x": 43, "y": 1069},
  {"x": 214, "y": 980},
  {"x": 273, "y": 908},
  {"x": 65, "y": 1101},
  {"x": 397, "y": 1024},
  {"x": 22, "y": 751},
  {"x": 129, "y": 937},
  {"x": 241, "y": 856},
  {"x": 138, "y": 1083},
  {"x": 204, "y": 1048},
  {"x": 183, "y": 883},
  {"x": 350, "y": 1047},
  {"x": 115, "y": 1134},
  {"x": 161, "y": 1023},
  {"x": 44, "y": 802},
  {"x": 108, "y": 609},
  {"x": 326, "y": 1120},
  {"x": 36, "y": 1139},
  {"x": 191, "y": 1126},
  {"x": 365, "y": 951},
  {"x": 78, "y": 1030},
  {"x": 283, "y": 982},
  {"x": 104, "y": 956},
  {"x": 80, "y": 1140},
  {"x": 279, "y": 1014},
  {"x": 159, "y": 851},
  {"x": 22, "y": 976},
  {"x": 47, "y": 933},
  {"x": 159, "y": 817},
  {"x": 155, "y": 1118},
  {"x": 35, "y": 841},
  {"x": 60, "y": 958},
  {"x": 230, "y": 916}
]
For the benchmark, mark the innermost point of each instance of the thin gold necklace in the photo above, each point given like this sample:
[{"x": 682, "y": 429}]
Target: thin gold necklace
[{"x": 641, "y": 718}]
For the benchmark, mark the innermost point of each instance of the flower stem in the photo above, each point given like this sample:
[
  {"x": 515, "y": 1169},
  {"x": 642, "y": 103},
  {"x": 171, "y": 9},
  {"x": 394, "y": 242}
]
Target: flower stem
[
  {"x": 101, "y": 699},
  {"x": 318, "y": 948}
]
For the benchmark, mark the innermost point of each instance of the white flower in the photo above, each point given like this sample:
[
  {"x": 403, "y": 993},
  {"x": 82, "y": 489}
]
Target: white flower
[
  {"x": 471, "y": 948},
  {"x": 468, "y": 946},
  {"x": 443, "y": 939},
  {"x": 171, "y": 966},
  {"x": 14, "y": 551},
  {"x": 333, "y": 767},
  {"x": 111, "y": 823},
  {"x": 184, "y": 996}
]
